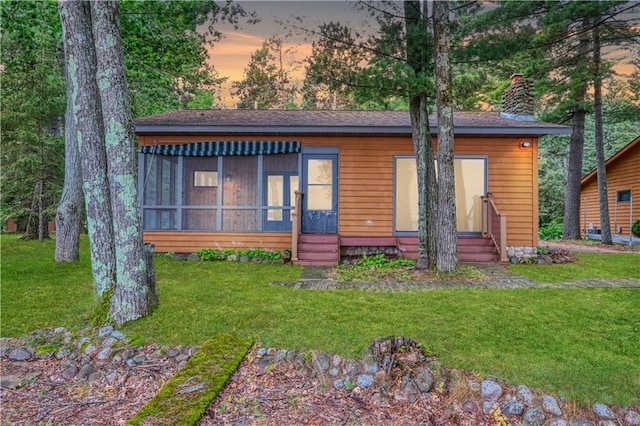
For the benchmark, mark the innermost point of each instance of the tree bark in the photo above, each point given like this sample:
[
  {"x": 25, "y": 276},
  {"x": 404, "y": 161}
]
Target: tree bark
[
  {"x": 131, "y": 297},
  {"x": 446, "y": 229},
  {"x": 603, "y": 196},
  {"x": 69, "y": 211},
  {"x": 81, "y": 66},
  {"x": 415, "y": 25},
  {"x": 571, "y": 229}
]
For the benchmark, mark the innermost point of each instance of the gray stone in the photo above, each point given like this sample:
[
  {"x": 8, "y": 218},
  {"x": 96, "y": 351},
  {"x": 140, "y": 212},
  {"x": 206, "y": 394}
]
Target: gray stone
[
  {"x": 10, "y": 381},
  {"x": 581, "y": 422},
  {"x": 131, "y": 363},
  {"x": 91, "y": 349},
  {"x": 607, "y": 423},
  {"x": 59, "y": 330},
  {"x": 233, "y": 258},
  {"x": 117, "y": 334},
  {"x": 244, "y": 259},
  {"x": 533, "y": 416},
  {"x": 63, "y": 353},
  {"x": 334, "y": 372},
  {"x": 291, "y": 355},
  {"x": 272, "y": 351},
  {"x": 19, "y": 354},
  {"x": 69, "y": 372},
  {"x": 557, "y": 422},
  {"x": 409, "y": 386},
  {"x": 488, "y": 406},
  {"x": 109, "y": 342},
  {"x": 112, "y": 377},
  {"x": 139, "y": 359},
  {"x": 322, "y": 362},
  {"x": 470, "y": 406},
  {"x": 352, "y": 368},
  {"x": 512, "y": 408},
  {"x": 339, "y": 383},
  {"x": 96, "y": 375},
  {"x": 261, "y": 352},
  {"x": 105, "y": 331},
  {"x": 371, "y": 367},
  {"x": 424, "y": 380},
  {"x": 104, "y": 354},
  {"x": 337, "y": 360},
  {"x": 364, "y": 381},
  {"x": 280, "y": 356},
  {"x": 550, "y": 405},
  {"x": 85, "y": 360},
  {"x": 194, "y": 257},
  {"x": 85, "y": 372},
  {"x": 525, "y": 394},
  {"x": 491, "y": 390},
  {"x": 172, "y": 353},
  {"x": 603, "y": 411},
  {"x": 380, "y": 401},
  {"x": 632, "y": 417}
]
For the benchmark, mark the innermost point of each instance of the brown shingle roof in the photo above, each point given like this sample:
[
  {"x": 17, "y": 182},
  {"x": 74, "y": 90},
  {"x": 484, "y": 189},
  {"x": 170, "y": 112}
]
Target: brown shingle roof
[{"x": 301, "y": 122}]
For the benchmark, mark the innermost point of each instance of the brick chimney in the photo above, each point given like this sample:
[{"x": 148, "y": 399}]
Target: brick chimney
[{"x": 518, "y": 99}]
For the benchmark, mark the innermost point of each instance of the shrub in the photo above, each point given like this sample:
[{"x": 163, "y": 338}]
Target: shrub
[
  {"x": 550, "y": 231},
  {"x": 635, "y": 229}
]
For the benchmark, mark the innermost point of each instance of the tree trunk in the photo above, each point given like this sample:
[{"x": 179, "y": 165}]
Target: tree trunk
[
  {"x": 79, "y": 50},
  {"x": 416, "y": 29},
  {"x": 576, "y": 147},
  {"x": 603, "y": 196},
  {"x": 131, "y": 297},
  {"x": 43, "y": 216},
  {"x": 33, "y": 222},
  {"x": 69, "y": 211},
  {"x": 446, "y": 229}
]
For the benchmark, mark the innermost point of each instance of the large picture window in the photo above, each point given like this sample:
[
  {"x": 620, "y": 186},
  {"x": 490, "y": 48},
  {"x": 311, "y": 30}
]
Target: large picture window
[{"x": 470, "y": 181}]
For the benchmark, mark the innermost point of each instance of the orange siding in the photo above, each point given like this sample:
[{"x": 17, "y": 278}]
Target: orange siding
[
  {"x": 190, "y": 242},
  {"x": 366, "y": 177},
  {"x": 624, "y": 174}
]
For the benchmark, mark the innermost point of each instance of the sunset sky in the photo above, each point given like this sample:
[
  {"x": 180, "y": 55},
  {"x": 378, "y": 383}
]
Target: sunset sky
[{"x": 232, "y": 54}]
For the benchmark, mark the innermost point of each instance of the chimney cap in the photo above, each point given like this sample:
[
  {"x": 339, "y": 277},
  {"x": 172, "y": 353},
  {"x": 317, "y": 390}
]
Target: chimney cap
[{"x": 516, "y": 77}]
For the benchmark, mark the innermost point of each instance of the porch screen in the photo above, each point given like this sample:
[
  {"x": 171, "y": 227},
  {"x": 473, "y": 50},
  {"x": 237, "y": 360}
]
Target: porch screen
[
  {"x": 224, "y": 148},
  {"x": 470, "y": 181}
]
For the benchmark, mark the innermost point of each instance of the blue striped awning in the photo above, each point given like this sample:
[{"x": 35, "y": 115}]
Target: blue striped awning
[{"x": 212, "y": 149}]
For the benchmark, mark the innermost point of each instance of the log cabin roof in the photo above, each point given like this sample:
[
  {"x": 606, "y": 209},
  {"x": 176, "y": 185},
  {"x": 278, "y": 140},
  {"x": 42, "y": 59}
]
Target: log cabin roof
[
  {"x": 328, "y": 122},
  {"x": 622, "y": 152}
]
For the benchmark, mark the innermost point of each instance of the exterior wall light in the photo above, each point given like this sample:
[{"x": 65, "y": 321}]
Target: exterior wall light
[
  {"x": 526, "y": 144},
  {"x": 227, "y": 178}
]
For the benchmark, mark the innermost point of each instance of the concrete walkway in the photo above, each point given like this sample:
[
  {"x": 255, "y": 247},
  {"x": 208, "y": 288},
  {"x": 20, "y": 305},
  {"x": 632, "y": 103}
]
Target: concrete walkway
[{"x": 498, "y": 277}]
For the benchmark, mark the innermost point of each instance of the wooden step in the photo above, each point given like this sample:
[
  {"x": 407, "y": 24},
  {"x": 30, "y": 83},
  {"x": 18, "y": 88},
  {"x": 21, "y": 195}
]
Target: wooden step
[
  {"x": 324, "y": 263},
  {"x": 318, "y": 239},
  {"x": 317, "y": 248},
  {"x": 314, "y": 255}
]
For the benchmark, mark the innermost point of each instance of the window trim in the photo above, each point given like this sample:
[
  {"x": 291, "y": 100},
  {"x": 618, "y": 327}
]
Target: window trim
[{"x": 621, "y": 192}]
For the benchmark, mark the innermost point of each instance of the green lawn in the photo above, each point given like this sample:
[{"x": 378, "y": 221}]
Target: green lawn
[{"x": 583, "y": 344}]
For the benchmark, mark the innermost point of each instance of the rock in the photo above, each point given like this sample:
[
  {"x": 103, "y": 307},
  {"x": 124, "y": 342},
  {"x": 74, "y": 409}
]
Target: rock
[
  {"x": 488, "y": 406},
  {"x": 364, "y": 381},
  {"x": 336, "y": 360},
  {"x": 338, "y": 384},
  {"x": 112, "y": 377},
  {"x": 424, "y": 380},
  {"x": 10, "y": 381},
  {"x": 321, "y": 362},
  {"x": 352, "y": 368},
  {"x": 603, "y": 411},
  {"x": 109, "y": 342},
  {"x": 533, "y": 416},
  {"x": 334, "y": 372},
  {"x": 380, "y": 401},
  {"x": 19, "y": 354},
  {"x": 525, "y": 394},
  {"x": 85, "y": 372},
  {"x": 371, "y": 367},
  {"x": 117, "y": 334},
  {"x": 131, "y": 363},
  {"x": 63, "y": 353},
  {"x": 470, "y": 406},
  {"x": 512, "y": 408},
  {"x": 557, "y": 422},
  {"x": 139, "y": 359},
  {"x": 244, "y": 259},
  {"x": 281, "y": 355},
  {"x": 91, "y": 349},
  {"x": 105, "y": 331},
  {"x": 607, "y": 423},
  {"x": 581, "y": 422},
  {"x": 233, "y": 258},
  {"x": 104, "y": 354},
  {"x": 69, "y": 373},
  {"x": 550, "y": 405},
  {"x": 194, "y": 257},
  {"x": 59, "y": 330},
  {"x": 172, "y": 353},
  {"x": 632, "y": 417},
  {"x": 491, "y": 390},
  {"x": 291, "y": 355},
  {"x": 272, "y": 351},
  {"x": 261, "y": 352}
]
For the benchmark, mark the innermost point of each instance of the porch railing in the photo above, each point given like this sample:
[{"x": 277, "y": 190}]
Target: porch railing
[
  {"x": 494, "y": 226},
  {"x": 296, "y": 225}
]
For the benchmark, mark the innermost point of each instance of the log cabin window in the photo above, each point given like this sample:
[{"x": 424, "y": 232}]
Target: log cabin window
[
  {"x": 471, "y": 184},
  {"x": 624, "y": 196},
  {"x": 187, "y": 190}
]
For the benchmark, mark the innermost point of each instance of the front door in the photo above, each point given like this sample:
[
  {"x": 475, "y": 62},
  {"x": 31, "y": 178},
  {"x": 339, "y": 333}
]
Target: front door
[
  {"x": 280, "y": 188},
  {"x": 320, "y": 193}
]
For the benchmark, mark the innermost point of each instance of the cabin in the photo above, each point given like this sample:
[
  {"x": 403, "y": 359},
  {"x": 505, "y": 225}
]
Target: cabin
[
  {"x": 623, "y": 190},
  {"x": 325, "y": 184}
]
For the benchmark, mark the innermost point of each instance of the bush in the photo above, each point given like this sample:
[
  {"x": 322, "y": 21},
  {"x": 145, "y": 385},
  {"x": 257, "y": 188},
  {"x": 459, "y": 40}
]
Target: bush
[
  {"x": 550, "y": 231},
  {"x": 635, "y": 229}
]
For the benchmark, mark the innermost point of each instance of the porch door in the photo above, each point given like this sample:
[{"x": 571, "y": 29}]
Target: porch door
[
  {"x": 320, "y": 193},
  {"x": 279, "y": 192}
]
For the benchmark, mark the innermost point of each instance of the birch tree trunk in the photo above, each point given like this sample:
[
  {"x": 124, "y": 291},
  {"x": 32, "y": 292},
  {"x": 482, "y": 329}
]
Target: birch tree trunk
[
  {"x": 69, "y": 211},
  {"x": 81, "y": 66},
  {"x": 131, "y": 298},
  {"x": 446, "y": 229},
  {"x": 603, "y": 196},
  {"x": 416, "y": 29}
]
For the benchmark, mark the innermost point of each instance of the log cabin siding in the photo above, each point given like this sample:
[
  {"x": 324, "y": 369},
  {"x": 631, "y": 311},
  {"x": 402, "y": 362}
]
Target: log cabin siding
[
  {"x": 623, "y": 173},
  {"x": 366, "y": 187}
]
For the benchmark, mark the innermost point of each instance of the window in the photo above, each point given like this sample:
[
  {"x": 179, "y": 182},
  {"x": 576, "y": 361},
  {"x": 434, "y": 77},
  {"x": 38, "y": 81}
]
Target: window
[
  {"x": 624, "y": 196},
  {"x": 470, "y": 178},
  {"x": 206, "y": 179}
]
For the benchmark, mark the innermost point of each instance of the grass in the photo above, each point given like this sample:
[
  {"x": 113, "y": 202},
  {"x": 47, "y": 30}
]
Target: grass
[
  {"x": 589, "y": 266},
  {"x": 582, "y": 344}
]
